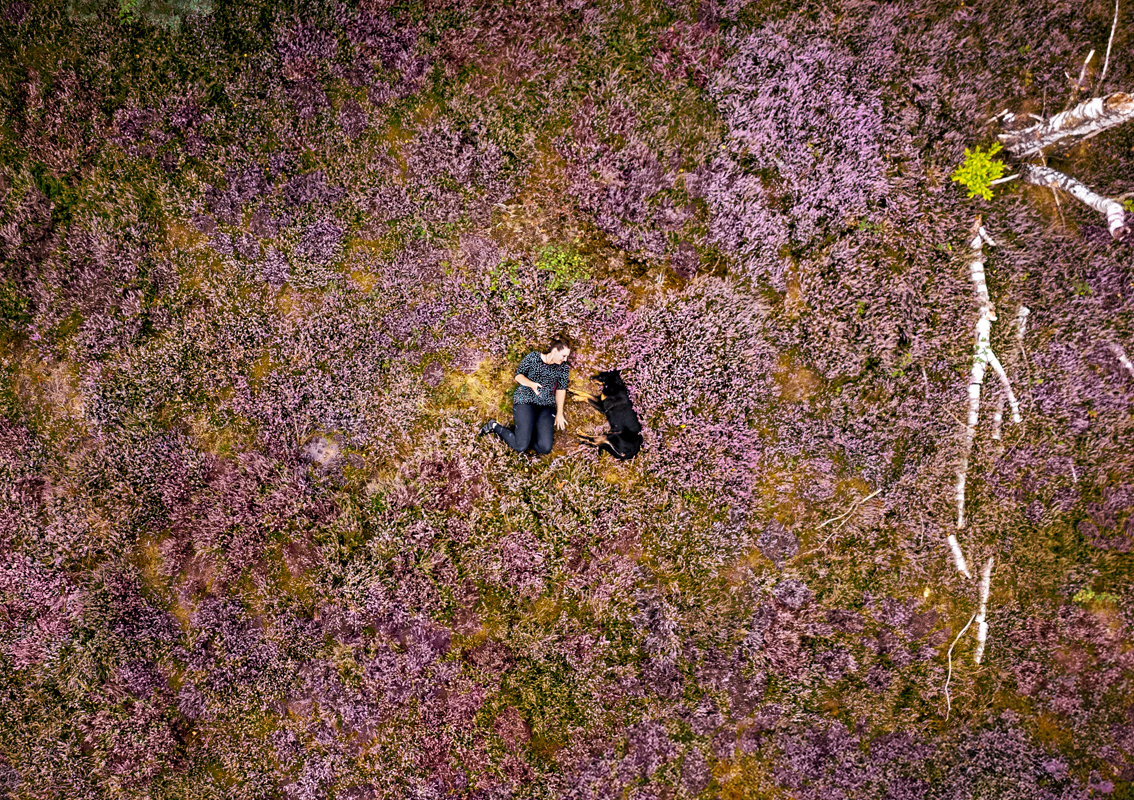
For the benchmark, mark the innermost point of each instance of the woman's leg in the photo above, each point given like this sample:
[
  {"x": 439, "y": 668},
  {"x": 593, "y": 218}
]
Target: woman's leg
[
  {"x": 544, "y": 430},
  {"x": 523, "y": 417}
]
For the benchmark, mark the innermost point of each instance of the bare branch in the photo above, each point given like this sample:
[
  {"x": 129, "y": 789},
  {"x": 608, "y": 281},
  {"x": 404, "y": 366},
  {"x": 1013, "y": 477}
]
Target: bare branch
[
  {"x": 1082, "y": 122},
  {"x": 1110, "y": 41},
  {"x": 1083, "y": 71},
  {"x": 1113, "y": 211},
  {"x": 949, "y": 677},
  {"x": 848, "y": 511},
  {"x": 958, "y": 556}
]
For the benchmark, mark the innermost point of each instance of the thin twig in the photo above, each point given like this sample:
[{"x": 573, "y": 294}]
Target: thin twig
[
  {"x": 852, "y": 508},
  {"x": 997, "y": 116},
  {"x": 948, "y": 702},
  {"x": 1106, "y": 62},
  {"x": 1079, "y": 83},
  {"x": 1004, "y": 180},
  {"x": 1083, "y": 71}
]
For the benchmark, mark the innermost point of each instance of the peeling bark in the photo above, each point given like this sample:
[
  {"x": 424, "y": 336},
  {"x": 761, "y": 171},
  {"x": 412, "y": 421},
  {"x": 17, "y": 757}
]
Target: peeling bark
[
  {"x": 1081, "y": 122},
  {"x": 1112, "y": 209}
]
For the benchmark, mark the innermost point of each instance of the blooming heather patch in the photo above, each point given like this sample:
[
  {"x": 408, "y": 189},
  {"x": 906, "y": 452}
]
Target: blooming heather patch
[{"x": 265, "y": 273}]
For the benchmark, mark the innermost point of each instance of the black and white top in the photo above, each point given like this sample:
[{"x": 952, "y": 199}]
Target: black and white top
[{"x": 549, "y": 376}]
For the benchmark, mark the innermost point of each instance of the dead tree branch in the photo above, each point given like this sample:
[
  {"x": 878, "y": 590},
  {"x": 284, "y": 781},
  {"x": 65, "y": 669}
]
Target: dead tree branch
[
  {"x": 1085, "y": 120},
  {"x": 949, "y": 677},
  {"x": 1110, "y": 41},
  {"x": 1111, "y": 209}
]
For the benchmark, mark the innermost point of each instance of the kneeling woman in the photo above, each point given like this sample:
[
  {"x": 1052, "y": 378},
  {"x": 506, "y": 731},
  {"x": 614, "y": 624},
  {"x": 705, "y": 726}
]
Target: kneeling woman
[{"x": 543, "y": 379}]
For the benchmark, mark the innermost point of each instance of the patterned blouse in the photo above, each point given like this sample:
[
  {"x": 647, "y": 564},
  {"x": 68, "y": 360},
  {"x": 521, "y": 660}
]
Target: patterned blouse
[{"x": 549, "y": 376}]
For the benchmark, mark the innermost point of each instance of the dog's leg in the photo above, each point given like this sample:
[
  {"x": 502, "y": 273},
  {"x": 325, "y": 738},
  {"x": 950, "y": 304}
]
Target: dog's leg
[
  {"x": 591, "y": 440},
  {"x": 605, "y": 447}
]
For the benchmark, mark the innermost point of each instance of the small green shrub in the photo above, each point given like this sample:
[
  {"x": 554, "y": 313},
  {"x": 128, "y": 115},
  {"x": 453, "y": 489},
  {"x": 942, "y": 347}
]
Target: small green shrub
[
  {"x": 505, "y": 271},
  {"x": 566, "y": 266},
  {"x": 1087, "y": 596},
  {"x": 979, "y": 170}
]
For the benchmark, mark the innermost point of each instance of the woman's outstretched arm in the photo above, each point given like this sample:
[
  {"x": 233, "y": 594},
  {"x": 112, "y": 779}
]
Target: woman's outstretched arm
[{"x": 560, "y": 420}]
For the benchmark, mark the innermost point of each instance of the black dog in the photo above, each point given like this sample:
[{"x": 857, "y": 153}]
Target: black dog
[{"x": 625, "y": 436}]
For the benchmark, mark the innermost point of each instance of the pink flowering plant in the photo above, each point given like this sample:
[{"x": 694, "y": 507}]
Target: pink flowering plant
[{"x": 267, "y": 268}]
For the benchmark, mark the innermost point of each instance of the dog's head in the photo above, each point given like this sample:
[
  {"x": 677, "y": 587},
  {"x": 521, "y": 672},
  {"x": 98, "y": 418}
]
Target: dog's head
[{"x": 611, "y": 381}]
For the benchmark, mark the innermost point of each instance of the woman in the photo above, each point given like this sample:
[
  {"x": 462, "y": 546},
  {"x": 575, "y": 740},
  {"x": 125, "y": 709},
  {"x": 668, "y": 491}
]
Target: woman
[{"x": 543, "y": 381}]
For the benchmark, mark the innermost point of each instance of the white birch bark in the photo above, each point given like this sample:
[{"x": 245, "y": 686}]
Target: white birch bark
[
  {"x": 980, "y": 359},
  {"x": 1120, "y": 354},
  {"x": 1081, "y": 122},
  {"x": 959, "y": 557},
  {"x": 1112, "y": 209},
  {"x": 1109, "y": 42},
  {"x": 983, "y": 356},
  {"x": 994, "y": 362},
  {"x": 982, "y": 625},
  {"x": 976, "y": 380}
]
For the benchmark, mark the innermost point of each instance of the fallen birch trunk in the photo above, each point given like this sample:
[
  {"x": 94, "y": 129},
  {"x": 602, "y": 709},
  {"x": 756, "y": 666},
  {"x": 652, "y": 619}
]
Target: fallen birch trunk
[
  {"x": 982, "y": 626},
  {"x": 982, "y": 356},
  {"x": 1081, "y": 122},
  {"x": 1112, "y": 209},
  {"x": 976, "y": 380}
]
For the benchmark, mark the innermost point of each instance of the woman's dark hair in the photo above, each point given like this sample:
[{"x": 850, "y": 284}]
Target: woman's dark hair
[{"x": 560, "y": 342}]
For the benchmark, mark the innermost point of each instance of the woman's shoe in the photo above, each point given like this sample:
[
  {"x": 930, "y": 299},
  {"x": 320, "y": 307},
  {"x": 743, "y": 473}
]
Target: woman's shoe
[{"x": 488, "y": 427}]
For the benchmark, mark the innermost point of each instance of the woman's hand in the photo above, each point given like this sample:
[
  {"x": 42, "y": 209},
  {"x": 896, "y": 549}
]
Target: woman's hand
[
  {"x": 524, "y": 380},
  {"x": 560, "y": 422}
]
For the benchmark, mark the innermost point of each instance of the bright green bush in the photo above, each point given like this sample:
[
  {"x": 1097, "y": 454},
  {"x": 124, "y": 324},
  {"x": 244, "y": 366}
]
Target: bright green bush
[{"x": 979, "y": 170}]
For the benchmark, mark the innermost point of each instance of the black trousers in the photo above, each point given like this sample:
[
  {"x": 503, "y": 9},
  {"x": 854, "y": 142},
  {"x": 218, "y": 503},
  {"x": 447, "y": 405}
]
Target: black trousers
[{"x": 532, "y": 425}]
